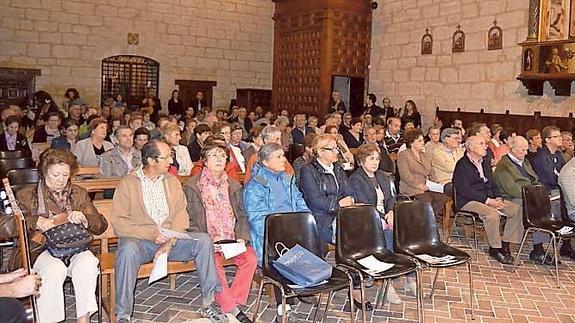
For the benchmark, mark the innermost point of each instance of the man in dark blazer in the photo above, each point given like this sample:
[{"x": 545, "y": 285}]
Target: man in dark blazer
[
  {"x": 300, "y": 129},
  {"x": 476, "y": 191}
]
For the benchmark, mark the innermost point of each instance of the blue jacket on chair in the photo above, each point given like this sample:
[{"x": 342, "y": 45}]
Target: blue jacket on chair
[
  {"x": 260, "y": 201},
  {"x": 322, "y": 194}
]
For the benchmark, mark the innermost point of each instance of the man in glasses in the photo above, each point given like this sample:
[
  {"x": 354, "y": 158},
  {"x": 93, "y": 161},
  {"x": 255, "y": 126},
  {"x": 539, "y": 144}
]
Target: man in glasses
[{"x": 149, "y": 210}]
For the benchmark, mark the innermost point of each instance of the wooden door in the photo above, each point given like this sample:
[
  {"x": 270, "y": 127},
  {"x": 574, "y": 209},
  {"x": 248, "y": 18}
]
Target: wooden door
[{"x": 189, "y": 88}]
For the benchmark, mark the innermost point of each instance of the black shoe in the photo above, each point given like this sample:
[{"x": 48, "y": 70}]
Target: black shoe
[
  {"x": 498, "y": 255},
  {"x": 357, "y": 305},
  {"x": 243, "y": 318},
  {"x": 569, "y": 253},
  {"x": 537, "y": 257}
]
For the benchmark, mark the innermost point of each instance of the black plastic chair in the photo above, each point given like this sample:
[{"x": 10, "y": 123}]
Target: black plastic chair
[
  {"x": 360, "y": 234},
  {"x": 538, "y": 216},
  {"x": 415, "y": 233},
  {"x": 15, "y": 154},
  {"x": 291, "y": 229},
  {"x": 472, "y": 216},
  {"x": 295, "y": 151},
  {"x": 23, "y": 177},
  {"x": 15, "y": 163}
]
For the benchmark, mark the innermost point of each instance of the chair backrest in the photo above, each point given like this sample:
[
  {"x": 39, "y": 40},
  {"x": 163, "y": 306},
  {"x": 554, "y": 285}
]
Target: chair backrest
[
  {"x": 359, "y": 233},
  {"x": 15, "y": 163},
  {"x": 289, "y": 229},
  {"x": 414, "y": 227},
  {"x": 23, "y": 176},
  {"x": 295, "y": 151},
  {"x": 537, "y": 209},
  {"x": 14, "y": 154},
  {"x": 105, "y": 208}
]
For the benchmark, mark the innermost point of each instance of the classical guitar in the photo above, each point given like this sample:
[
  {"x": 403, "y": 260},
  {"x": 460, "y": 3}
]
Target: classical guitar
[{"x": 23, "y": 247}]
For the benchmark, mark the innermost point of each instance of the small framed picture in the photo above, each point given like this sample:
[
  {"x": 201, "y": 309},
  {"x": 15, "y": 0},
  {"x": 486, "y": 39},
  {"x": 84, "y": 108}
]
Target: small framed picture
[{"x": 495, "y": 37}]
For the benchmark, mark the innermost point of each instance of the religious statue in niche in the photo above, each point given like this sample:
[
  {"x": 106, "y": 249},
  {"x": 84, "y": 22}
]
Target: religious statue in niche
[
  {"x": 495, "y": 37},
  {"x": 458, "y": 41},
  {"x": 557, "y": 59},
  {"x": 554, "y": 19},
  {"x": 528, "y": 59},
  {"x": 427, "y": 43}
]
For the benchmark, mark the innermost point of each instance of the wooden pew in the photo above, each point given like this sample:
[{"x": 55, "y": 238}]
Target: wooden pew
[
  {"x": 107, "y": 290},
  {"x": 98, "y": 184},
  {"x": 38, "y": 148},
  {"x": 88, "y": 171},
  {"x": 519, "y": 123}
]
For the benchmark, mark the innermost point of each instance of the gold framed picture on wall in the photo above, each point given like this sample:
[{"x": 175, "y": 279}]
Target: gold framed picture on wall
[{"x": 554, "y": 23}]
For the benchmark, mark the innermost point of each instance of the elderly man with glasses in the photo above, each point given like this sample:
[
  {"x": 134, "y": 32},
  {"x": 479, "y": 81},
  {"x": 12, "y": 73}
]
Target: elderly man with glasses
[{"x": 149, "y": 210}]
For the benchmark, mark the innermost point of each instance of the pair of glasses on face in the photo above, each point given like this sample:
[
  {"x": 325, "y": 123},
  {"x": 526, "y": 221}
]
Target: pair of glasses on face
[{"x": 334, "y": 150}]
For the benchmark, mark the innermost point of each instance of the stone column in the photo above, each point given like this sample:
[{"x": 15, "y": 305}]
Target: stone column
[{"x": 533, "y": 28}]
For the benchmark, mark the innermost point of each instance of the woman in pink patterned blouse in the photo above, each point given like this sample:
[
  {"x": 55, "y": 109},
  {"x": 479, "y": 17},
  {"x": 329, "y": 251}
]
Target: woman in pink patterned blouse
[{"x": 215, "y": 206}]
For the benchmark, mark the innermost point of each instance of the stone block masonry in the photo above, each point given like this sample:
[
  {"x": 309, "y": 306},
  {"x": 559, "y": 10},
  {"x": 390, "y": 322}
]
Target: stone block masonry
[
  {"x": 228, "y": 41},
  {"x": 472, "y": 80}
]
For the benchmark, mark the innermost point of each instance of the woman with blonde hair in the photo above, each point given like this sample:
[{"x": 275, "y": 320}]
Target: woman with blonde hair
[{"x": 182, "y": 165}]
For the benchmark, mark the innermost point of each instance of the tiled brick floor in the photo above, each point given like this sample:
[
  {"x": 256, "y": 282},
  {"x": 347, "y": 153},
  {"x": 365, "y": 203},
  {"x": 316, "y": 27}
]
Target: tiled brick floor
[{"x": 527, "y": 295}]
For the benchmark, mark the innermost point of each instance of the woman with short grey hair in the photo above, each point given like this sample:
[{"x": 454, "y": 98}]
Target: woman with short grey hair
[{"x": 270, "y": 190}]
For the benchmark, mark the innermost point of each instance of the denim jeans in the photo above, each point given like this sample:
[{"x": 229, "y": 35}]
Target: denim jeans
[{"x": 134, "y": 252}]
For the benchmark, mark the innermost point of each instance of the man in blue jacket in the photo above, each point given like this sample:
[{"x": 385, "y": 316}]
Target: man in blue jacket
[
  {"x": 547, "y": 163},
  {"x": 476, "y": 191}
]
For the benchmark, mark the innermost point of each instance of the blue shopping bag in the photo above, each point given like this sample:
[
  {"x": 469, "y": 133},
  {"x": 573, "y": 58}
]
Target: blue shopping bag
[{"x": 300, "y": 266}]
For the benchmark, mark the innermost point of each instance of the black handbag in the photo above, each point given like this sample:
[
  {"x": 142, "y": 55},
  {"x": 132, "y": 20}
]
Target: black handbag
[{"x": 66, "y": 240}]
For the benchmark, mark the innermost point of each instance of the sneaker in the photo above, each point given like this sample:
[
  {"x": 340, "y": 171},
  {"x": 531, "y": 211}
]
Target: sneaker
[
  {"x": 214, "y": 313},
  {"x": 243, "y": 318},
  {"x": 391, "y": 296},
  {"x": 290, "y": 317},
  {"x": 410, "y": 286}
]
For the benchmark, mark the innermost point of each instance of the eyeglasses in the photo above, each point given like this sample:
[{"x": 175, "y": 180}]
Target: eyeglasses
[
  {"x": 334, "y": 150},
  {"x": 165, "y": 158}
]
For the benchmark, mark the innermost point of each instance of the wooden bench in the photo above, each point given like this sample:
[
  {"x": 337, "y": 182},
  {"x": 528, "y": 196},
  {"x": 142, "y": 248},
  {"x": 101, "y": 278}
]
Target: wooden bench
[{"x": 107, "y": 280}]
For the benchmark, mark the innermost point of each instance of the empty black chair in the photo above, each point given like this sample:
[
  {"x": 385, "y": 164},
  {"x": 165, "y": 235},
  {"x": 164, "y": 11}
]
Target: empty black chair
[
  {"x": 538, "y": 216},
  {"x": 473, "y": 218},
  {"x": 359, "y": 235},
  {"x": 23, "y": 177},
  {"x": 291, "y": 229},
  {"x": 15, "y": 163},
  {"x": 15, "y": 154},
  {"x": 295, "y": 151},
  {"x": 415, "y": 233}
]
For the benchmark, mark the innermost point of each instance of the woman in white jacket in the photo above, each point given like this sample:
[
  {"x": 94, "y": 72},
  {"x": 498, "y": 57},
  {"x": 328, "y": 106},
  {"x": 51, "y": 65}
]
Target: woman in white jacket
[
  {"x": 89, "y": 150},
  {"x": 182, "y": 160}
]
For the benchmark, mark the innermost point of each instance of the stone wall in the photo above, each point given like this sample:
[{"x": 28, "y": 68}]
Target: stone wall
[
  {"x": 475, "y": 79},
  {"x": 228, "y": 41}
]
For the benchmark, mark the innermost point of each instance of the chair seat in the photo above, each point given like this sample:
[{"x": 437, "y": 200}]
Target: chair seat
[
  {"x": 338, "y": 280},
  {"x": 442, "y": 250},
  {"x": 402, "y": 265},
  {"x": 108, "y": 262},
  {"x": 555, "y": 227}
]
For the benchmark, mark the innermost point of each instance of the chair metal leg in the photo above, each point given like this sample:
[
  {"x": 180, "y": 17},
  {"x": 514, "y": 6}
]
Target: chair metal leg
[
  {"x": 419, "y": 296},
  {"x": 452, "y": 227},
  {"x": 382, "y": 293},
  {"x": 258, "y": 299},
  {"x": 317, "y": 306},
  {"x": 476, "y": 240},
  {"x": 100, "y": 295},
  {"x": 546, "y": 252},
  {"x": 284, "y": 301},
  {"x": 352, "y": 306},
  {"x": 556, "y": 251},
  {"x": 329, "y": 298},
  {"x": 471, "y": 291},
  {"x": 362, "y": 296},
  {"x": 433, "y": 283},
  {"x": 520, "y": 248}
]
